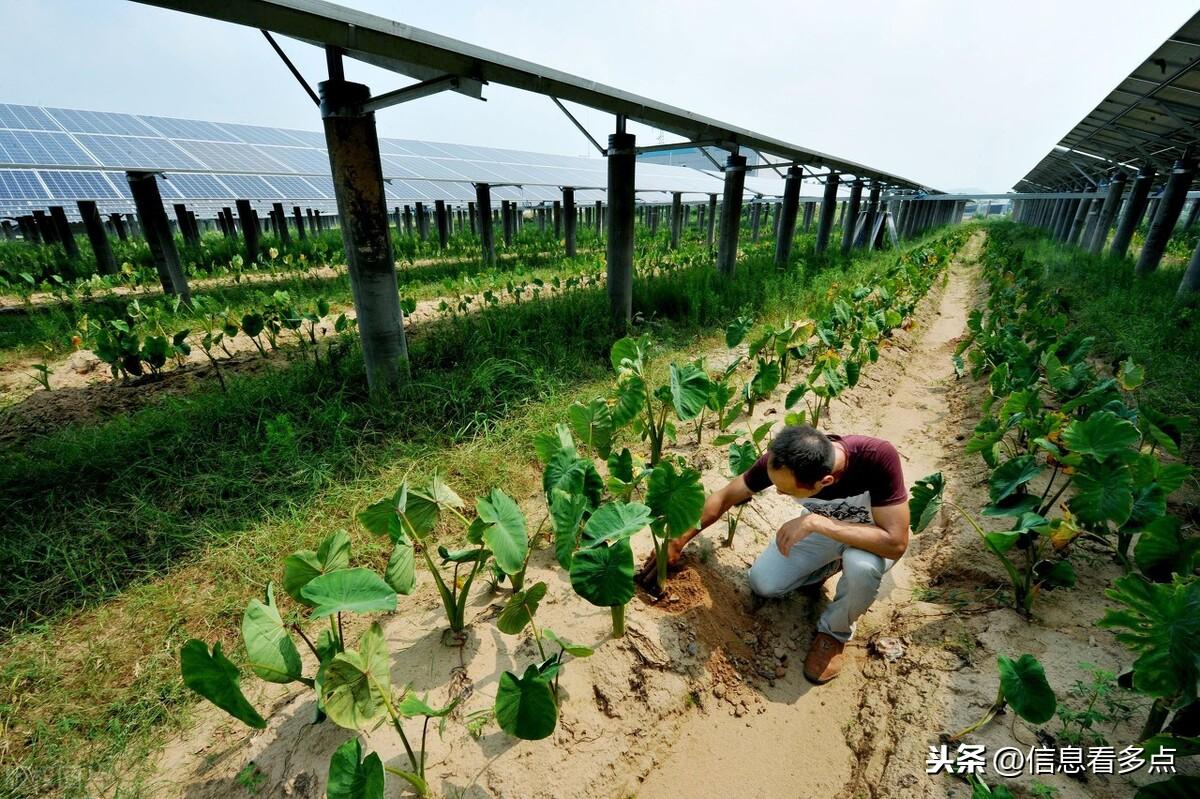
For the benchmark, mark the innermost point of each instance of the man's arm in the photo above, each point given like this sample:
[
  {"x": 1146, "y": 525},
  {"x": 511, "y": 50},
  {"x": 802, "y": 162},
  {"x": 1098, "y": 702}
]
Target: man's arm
[{"x": 887, "y": 538}]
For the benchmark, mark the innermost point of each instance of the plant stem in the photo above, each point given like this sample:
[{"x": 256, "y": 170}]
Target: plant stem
[
  {"x": 660, "y": 558},
  {"x": 996, "y": 707},
  {"x": 333, "y": 629},
  {"x": 618, "y": 620},
  {"x": 341, "y": 635},
  {"x": 300, "y": 631}
]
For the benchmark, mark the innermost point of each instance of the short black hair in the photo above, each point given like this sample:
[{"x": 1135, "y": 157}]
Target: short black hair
[{"x": 805, "y": 451}]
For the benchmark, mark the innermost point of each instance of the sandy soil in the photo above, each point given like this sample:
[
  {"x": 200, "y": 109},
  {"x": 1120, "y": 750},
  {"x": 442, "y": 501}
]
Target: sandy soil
[{"x": 704, "y": 696}]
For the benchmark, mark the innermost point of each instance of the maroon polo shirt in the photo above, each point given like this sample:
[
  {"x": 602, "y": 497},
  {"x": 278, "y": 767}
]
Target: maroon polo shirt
[{"x": 872, "y": 466}]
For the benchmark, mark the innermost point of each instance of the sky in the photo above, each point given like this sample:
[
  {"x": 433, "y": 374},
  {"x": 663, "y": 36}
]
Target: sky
[{"x": 951, "y": 94}]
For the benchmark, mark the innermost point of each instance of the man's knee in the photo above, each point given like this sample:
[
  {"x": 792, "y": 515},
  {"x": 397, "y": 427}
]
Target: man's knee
[
  {"x": 862, "y": 569},
  {"x": 763, "y": 583}
]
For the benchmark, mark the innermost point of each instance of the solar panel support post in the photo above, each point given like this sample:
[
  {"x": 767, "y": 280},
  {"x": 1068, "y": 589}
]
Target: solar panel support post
[
  {"x": 850, "y": 214},
  {"x": 185, "y": 229},
  {"x": 285, "y": 236},
  {"x": 541, "y": 218},
  {"x": 570, "y": 219},
  {"x": 1063, "y": 210},
  {"x": 1189, "y": 286},
  {"x": 598, "y": 217},
  {"x": 506, "y": 222},
  {"x": 808, "y": 215},
  {"x": 191, "y": 215},
  {"x": 422, "y": 231},
  {"x": 652, "y": 211},
  {"x": 756, "y": 208},
  {"x": 787, "y": 216},
  {"x": 1193, "y": 214},
  {"x": 443, "y": 223},
  {"x": 557, "y": 211},
  {"x": 29, "y": 229},
  {"x": 8, "y": 230},
  {"x": 106, "y": 264},
  {"x": 1151, "y": 210},
  {"x": 731, "y": 213},
  {"x": 1169, "y": 208},
  {"x": 676, "y": 218},
  {"x": 622, "y": 160},
  {"x": 868, "y": 229},
  {"x": 156, "y": 230},
  {"x": 45, "y": 227},
  {"x": 362, "y": 209},
  {"x": 119, "y": 226},
  {"x": 63, "y": 228},
  {"x": 483, "y": 223},
  {"x": 1090, "y": 222},
  {"x": 299, "y": 217},
  {"x": 408, "y": 221},
  {"x": 1076, "y": 227},
  {"x": 249, "y": 227},
  {"x": 712, "y": 221},
  {"x": 828, "y": 206}
]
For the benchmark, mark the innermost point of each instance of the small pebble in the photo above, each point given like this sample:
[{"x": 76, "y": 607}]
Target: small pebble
[
  {"x": 780, "y": 653},
  {"x": 719, "y": 690},
  {"x": 780, "y": 672},
  {"x": 691, "y": 648}
]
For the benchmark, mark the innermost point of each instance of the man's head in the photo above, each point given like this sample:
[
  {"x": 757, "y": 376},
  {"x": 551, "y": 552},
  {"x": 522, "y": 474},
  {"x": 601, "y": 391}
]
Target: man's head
[{"x": 801, "y": 461}]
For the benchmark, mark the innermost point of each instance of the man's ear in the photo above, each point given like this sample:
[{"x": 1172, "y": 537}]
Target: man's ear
[{"x": 827, "y": 480}]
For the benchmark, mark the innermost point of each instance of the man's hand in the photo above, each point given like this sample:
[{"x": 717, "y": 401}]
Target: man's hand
[
  {"x": 793, "y": 532},
  {"x": 648, "y": 575}
]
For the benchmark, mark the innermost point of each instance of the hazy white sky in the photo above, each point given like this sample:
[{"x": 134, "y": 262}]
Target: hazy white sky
[{"x": 951, "y": 93}]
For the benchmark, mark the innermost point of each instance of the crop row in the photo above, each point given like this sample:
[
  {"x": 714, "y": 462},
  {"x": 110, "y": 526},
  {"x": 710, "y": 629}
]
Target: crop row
[{"x": 596, "y": 499}]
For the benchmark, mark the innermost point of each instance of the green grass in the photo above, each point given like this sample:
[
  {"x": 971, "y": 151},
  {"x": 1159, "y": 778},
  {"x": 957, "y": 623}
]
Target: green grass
[
  {"x": 1129, "y": 316},
  {"x": 173, "y": 515}
]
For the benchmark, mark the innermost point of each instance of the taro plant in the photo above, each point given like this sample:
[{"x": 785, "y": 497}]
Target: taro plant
[
  {"x": 352, "y": 685},
  {"x": 409, "y": 517},
  {"x": 742, "y": 455},
  {"x": 1024, "y": 688}
]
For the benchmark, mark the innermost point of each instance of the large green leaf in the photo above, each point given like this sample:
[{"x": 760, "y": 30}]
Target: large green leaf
[
  {"x": 1162, "y": 549},
  {"x": 547, "y": 445},
  {"x": 566, "y": 514},
  {"x": 412, "y": 706},
  {"x": 574, "y": 475},
  {"x": 676, "y": 499},
  {"x": 620, "y": 465},
  {"x": 615, "y": 520},
  {"x": 1023, "y": 683},
  {"x": 593, "y": 424},
  {"x": 742, "y": 456},
  {"x": 629, "y": 400},
  {"x": 796, "y": 394},
  {"x": 301, "y": 567},
  {"x": 520, "y": 608},
  {"x": 525, "y": 706},
  {"x": 925, "y": 500},
  {"x": 578, "y": 650},
  {"x": 505, "y": 534},
  {"x": 401, "y": 571},
  {"x": 603, "y": 574},
  {"x": 357, "y": 684},
  {"x": 216, "y": 679},
  {"x": 1101, "y": 435},
  {"x": 1103, "y": 493},
  {"x": 629, "y": 354},
  {"x": 1010, "y": 476},
  {"x": 348, "y": 591},
  {"x": 353, "y": 777},
  {"x": 1160, "y": 623},
  {"x": 736, "y": 330},
  {"x": 766, "y": 379},
  {"x": 270, "y": 651},
  {"x": 689, "y": 390}
]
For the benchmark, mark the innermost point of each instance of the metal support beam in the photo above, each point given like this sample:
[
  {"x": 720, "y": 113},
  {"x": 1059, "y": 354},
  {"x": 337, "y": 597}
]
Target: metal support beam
[
  {"x": 443, "y": 223},
  {"x": 622, "y": 160},
  {"x": 362, "y": 207},
  {"x": 63, "y": 228},
  {"x": 850, "y": 215},
  {"x": 731, "y": 213},
  {"x": 1134, "y": 208},
  {"x": 712, "y": 220},
  {"x": 570, "y": 218},
  {"x": 156, "y": 229},
  {"x": 676, "y": 219},
  {"x": 285, "y": 236},
  {"x": 487, "y": 236},
  {"x": 865, "y": 235},
  {"x": 828, "y": 206},
  {"x": 787, "y": 216},
  {"x": 1169, "y": 208},
  {"x": 249, "y": 227},
  {"x": 106, "y": 264},
  {"x": 299, "y": 222}
]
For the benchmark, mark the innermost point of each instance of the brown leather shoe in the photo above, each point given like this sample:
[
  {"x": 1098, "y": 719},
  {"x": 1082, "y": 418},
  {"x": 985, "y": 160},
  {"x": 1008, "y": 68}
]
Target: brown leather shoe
[{"x": 824, "y": 659}]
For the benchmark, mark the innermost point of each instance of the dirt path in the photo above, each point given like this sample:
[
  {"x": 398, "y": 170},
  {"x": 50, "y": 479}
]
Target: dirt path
[{"x": 704, "y": 697}]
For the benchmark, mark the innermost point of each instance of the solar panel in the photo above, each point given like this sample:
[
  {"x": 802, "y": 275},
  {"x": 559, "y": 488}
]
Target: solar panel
[
  {"x": 191, "y": 185},
  {"x": 133, "y": 152},
  {"x": 25, "y": 117},
  {"x": 20, "y": 184},
  {"x": 253, "y": 134},
  {"x": 188, "y": 129},
  {"x": 294, "y": 187},
  {"x": 309, "y": 138},
  {"x": 69, "y": 184},
  {"x": 41, "y": 148},
  {"x": 121, "y": 184},
  {"x": 299, "y": 159},
  {"x": 250, "y": 187},
  {"x": 226, "y": 156},
  {"x": 323, "y": 184},
  {"x": 100, "y": 122}
]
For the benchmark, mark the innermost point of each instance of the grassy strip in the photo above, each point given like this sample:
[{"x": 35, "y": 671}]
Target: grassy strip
[
  {"x": 1129, "y": 316},
  {"x": 195, "y": 502}
]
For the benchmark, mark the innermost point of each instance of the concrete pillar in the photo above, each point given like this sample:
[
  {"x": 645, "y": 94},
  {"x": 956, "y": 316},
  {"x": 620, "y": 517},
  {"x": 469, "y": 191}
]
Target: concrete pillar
[
  {"x": 828, "y": 206},
  {"x": 787, "y": 216},
  {"x": 676, "y": 219},
  {"x": 157, "y": 231},
  {"x": 570, "y": 220},
  {"x": 230, "y": 229},
  {"x": 556, "y": 212},
  {"x": 598, "y": 217},
  {"x": 249, "y": 227},
  {"x": 362, "y": 208},
  {"x": 299, "y": 222},
  {"x": 622, "y": 158},
  {"x": 1076, "y": 229},
  {"x": 185, "y": 229},
  {"x": 850, "y": 215},
  {"x": 1061, "y": 214},
  {"x": 506, "y": 221},
  {"x": 1090, "y": 222},
  {"x": 442, "y": 222},
  {"x": 1192, "y": 215},
  {"x": 45, "y": 227},
  {"x": 285, "y": 236},
  {"x": 1173, "y": 197},
  {"x": 712, "y": 220},
  {"x": 872, "y": 212},
  {"x": 487, "y": 240},
  {"x": 1189, "y": 287},
  {"x": 755, "y": 218},
  {"x": 63, "y": 228},
  {"x": 731, "y": 213},
  {"x": 119, "y": 226},
  {"x": 29, "y": 229},
  {"x": 808, "y": 215},
  {"x": 105, "y": 263},
  {"x": 8, "y": 230}
]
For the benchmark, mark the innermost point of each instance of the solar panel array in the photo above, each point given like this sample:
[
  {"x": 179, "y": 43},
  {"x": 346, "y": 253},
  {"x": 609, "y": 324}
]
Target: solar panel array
[{"x": 55, "y": 156}]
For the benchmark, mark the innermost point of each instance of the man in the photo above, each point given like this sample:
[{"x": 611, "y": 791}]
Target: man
[{"x": 814, "y": 468}]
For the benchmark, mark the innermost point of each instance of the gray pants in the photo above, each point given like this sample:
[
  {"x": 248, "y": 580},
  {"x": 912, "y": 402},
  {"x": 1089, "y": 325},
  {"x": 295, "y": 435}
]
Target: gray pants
[{"x": 812, "y": 560}]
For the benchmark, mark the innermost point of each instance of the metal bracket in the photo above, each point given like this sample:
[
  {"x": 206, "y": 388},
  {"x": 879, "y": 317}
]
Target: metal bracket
[
  {"x": 295, "y": 72},
  {"x": 704, "y": 152},
  {"x": 766, "y": 163},
  {"x": 416, "y": 91},
  {"x": 603, "y": 152}
]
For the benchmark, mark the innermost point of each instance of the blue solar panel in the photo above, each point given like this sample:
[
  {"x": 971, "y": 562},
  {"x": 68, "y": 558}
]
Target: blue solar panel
[
  {"x": 25, "y": 117},
  {"x": 309, "y": 138},
  {"x": 72, "y": 185},
  {"x": 189, "y": 129},
  {"x": 294, "y": 188},
  {"x": 131, "y": 152},
  {"x": 192, "y": 185},
  {"x": 257, "y": 135},
  {"x": 41, "y": 148},
  {"x": 323, "y": 184},
  {"x": 20, "y": 184},
  {"x": 299, "y": 159},
  {"x": 249, "y": 187},
  {"x": 99, "y": 122},
  {"x": 121, "y": 183},
  {"x": 233, "y": 157}
]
